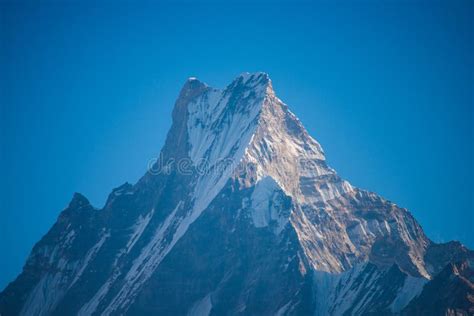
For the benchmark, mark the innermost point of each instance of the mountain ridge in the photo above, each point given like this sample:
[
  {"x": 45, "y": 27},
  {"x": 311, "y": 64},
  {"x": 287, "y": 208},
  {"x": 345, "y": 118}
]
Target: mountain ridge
[{"x": 242, "y": 209}]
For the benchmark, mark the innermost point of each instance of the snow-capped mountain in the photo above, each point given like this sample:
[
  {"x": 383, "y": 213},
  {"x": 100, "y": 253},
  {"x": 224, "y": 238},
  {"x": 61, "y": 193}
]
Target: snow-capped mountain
[{"x": 240, "y": 214}]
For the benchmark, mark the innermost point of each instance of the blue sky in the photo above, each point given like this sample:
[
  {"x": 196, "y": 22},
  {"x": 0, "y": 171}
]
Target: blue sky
[{"x": 87, "y": 92}]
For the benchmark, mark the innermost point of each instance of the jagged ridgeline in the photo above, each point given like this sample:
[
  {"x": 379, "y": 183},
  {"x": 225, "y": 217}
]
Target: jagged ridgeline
[{"x": 240, "y": 215}]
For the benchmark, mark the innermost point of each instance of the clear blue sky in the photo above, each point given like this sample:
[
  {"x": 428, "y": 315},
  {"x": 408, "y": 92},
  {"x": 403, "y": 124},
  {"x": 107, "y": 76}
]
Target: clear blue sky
[{"x": 87, "y": 92}]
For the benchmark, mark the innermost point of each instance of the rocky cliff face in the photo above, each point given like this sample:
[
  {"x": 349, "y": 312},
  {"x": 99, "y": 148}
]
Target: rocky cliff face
[{"x": 240, "y": 215}]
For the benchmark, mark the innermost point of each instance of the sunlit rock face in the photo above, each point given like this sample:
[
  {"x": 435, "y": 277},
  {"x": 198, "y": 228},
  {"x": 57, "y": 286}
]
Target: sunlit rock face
[{"x": 240, "y": 214}]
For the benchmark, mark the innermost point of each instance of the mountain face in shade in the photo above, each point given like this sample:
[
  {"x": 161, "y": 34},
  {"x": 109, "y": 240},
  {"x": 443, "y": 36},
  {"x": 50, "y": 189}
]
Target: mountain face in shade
[{"x": 240, "y": 215}]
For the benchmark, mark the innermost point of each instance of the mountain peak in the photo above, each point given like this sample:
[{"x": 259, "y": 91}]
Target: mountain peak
[
  {"x": 253, "y": 201},
  {"x": 221, "y": 122},
  {"x": 258, "y": 81},
  {"x": 245, "y": 85},
  {"x": 78, "y": 200},
  {"x": 195, "y": 82},
  {"x": 254, "y": 75},
  {"x": 192, "y": 86}
]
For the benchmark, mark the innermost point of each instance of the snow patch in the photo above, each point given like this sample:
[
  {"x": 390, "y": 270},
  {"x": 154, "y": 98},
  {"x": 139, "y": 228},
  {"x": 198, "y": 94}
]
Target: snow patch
[
  {"x": 202, "y": 307},
  {"x": 89, "y": 256},
  {"x": 146, "y": 263},
  {"x": 138, "y": 229},
  {"x": 52, "y": 286},
  {"x": 412, "y": 287},
  {"x": 266, "y": 204}
]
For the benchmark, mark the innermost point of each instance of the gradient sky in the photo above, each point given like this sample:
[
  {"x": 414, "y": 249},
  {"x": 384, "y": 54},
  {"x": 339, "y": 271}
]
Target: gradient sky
[{"x": 87, "y": 92}]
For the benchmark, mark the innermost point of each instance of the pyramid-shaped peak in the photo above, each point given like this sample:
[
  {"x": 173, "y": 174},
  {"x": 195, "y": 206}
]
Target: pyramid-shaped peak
[{"x": 243, "y": 187}]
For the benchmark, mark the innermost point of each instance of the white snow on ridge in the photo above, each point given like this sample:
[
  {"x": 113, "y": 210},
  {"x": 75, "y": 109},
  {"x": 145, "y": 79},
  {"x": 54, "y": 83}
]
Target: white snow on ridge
[
  {"x": 237, "y": 121},
  {"x": 202, "y": 113},
  {"x": 220, "y": 125},
  {"x": 138, "y": 229},
  {"x": 219, "y": 119},
  {"x": 145, "y": 264},
  {"x": 53, "y": 285},
  {"x": 89, "y": 256},
  {"x": 44, "y": 296},
  {"x": 357, "y": 288},
  {"x": 412, "y": 287}
]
